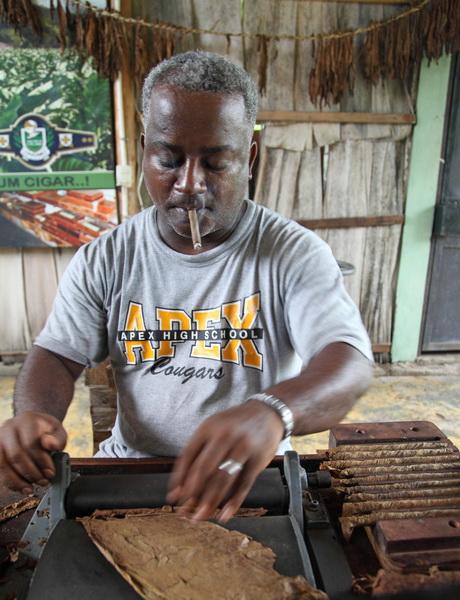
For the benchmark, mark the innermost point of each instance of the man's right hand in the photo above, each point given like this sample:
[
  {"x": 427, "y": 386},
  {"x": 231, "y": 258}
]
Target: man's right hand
[{"x": 25, "y": 445}]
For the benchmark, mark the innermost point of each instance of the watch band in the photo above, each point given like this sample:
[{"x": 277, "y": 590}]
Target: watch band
[{"x": 283, "y": 411}]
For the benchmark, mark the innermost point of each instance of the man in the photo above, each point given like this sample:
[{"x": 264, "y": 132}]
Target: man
[{"x": 219, "y": 353}]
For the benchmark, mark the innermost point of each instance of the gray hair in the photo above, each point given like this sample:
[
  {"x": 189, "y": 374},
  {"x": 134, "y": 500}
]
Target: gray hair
[{"x": 199, "y": 71}]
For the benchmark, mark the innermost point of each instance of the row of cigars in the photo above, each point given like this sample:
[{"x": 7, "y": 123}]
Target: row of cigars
[
  {"x": 395, "y": 481},
  {"x": 76, "y": 217}
]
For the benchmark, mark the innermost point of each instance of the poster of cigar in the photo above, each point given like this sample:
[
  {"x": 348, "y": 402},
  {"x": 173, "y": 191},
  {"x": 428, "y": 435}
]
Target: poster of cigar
[{"x": 57, "y": 183}]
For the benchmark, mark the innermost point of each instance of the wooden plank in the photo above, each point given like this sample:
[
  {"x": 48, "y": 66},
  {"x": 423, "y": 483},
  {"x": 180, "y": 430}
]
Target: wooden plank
[
  {"x": 128, "y": 137},
  {"x": 268, "y": 181},
  {"x": 101, "y": 375},
  {"x": 311, "y": 18},
  {"x": 377, "y": 288},
  {"x": 309, "y": 196},
  {"x": 178, "y": 12},
  {"x": 272, "y": 17},
  {"x": 381, "y": 348},
  {"x": 348, "y": 245},
  {"x": 335, "y": 117},
  {"x": 40, "y": 286},
  {"x": 349, "y": 169},
  {"x": 62, "y": 257},
  {"x": 219, "y": 16},
  {"x": 349, "y": 222},
  {"x": 289, "y": 176},
  {"x": 15, "y": 328}
]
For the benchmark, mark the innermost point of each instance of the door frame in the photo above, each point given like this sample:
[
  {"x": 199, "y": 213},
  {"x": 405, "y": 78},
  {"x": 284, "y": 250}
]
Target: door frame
[
  {"x": 449, "y": 102},
  {"x": 422, "y": 194}
]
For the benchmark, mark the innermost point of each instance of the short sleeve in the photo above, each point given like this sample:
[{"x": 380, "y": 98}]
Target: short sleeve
[
  {"x": 77, "y": 325},
  {"x": 318, "y": 309}
]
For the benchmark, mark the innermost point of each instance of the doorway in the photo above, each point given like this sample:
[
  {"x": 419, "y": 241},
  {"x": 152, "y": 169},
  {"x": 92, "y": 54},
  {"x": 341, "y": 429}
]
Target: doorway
[{"x": 441, "y": 331}]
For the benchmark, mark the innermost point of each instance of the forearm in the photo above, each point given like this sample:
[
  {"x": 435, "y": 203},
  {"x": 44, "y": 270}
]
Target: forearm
[
  {"x": 322, "y": 394},
  {"x": 45, "y": 383}
]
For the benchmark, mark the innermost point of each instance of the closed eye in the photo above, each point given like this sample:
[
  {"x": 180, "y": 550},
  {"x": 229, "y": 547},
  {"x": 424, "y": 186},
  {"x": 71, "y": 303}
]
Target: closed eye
[
  {"x": 216, "y": 166},
  {"x": 169, "y": 164}
]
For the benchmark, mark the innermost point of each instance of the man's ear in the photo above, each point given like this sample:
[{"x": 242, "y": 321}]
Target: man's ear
[
  {"x": 142, "y": 139},
  {"x": 252, "y": 156}
]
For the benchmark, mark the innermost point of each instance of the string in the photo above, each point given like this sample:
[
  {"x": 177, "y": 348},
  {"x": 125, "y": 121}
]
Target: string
[{"x": 295, "y": 38}]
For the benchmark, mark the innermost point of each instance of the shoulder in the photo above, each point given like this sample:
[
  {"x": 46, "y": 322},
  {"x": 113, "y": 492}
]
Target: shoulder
[{"x": 283, "y": 237}]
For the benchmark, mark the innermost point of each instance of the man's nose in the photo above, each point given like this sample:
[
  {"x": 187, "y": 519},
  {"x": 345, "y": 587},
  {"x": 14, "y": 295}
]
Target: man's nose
[{"x": 191, "y": 179}]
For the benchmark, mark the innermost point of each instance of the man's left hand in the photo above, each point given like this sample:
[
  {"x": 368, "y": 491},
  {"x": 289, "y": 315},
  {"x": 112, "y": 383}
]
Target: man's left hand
[{"x": 248, "y": 434}]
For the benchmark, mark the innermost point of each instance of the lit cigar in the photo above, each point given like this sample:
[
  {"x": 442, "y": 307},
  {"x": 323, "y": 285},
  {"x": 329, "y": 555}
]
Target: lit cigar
[{"x": 195, "y": 229}]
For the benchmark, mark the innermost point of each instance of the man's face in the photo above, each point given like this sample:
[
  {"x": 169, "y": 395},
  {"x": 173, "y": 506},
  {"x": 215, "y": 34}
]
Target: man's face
[{"x": 197, "y": 154}]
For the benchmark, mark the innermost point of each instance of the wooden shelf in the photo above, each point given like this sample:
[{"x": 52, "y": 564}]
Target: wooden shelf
[{"x": 276, "y": 116}]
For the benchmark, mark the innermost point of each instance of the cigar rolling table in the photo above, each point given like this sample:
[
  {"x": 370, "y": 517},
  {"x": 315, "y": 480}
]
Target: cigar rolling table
[{"x": 339, "y": 541}]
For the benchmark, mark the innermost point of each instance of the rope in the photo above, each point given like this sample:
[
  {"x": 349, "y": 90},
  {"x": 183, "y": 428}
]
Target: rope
[{"x": 295, "y": 38}]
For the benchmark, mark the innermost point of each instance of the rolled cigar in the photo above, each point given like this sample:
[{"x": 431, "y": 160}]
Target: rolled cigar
[
  {"x": 390, "y": 478},
  {"x": 424, "y": 468},
  {"x": 393, "y": 461},
  {"x": 370, "y": 506},
  {"x": 195, "y": 229},
  {"x": 349, "y": 523},
  {"x": 421, "y": 493},
  {"x": 444, "y": 451},
  {"x": 399, "y": 486},
  {"x": 389, "y": 446}
]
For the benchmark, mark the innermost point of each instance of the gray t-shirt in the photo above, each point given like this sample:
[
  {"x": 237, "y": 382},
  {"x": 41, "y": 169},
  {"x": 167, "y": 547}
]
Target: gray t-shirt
[{"x": 192, "y": 335}]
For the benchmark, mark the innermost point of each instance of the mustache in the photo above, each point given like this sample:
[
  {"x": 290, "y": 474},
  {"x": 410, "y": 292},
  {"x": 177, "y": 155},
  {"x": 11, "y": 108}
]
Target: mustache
[{"x": 189, "y": 202}]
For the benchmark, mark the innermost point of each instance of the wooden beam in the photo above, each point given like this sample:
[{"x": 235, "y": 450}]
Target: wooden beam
[
  {"x": 381, "y": 348},
  {"x": 349, "y": 222},
  {"x": 336, "y": 117},
  {"x": 390, "y": 2}
]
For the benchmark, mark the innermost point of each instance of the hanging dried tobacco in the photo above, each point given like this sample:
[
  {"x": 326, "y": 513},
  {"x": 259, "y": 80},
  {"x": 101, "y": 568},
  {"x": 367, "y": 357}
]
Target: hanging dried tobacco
[
  {"x": 21, "y": 14},
  {"x": 390, "y": 49},
  {"x": 62, "y": 22},
  {"x": 333, "y": 72},
  {"x": 157, "y": 44},
  {"x": 120, "y": 46},
  {"x": 91, "y": 34},
  {"x": 262, "y": 50},
  {"x": 440, "y": 24},
  {"x": 70, "y": 17},
  {"x": 170, "y": 43},
  {"x": 79, "y": 31},
  {"x": 163, "y": 44},
  {"x": 141, "y": 58}
]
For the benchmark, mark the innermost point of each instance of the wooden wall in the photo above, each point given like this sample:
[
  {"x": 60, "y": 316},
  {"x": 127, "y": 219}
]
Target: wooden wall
[
  {"x": 306, "y": 171},
  {"x": 29, "y": 279}
]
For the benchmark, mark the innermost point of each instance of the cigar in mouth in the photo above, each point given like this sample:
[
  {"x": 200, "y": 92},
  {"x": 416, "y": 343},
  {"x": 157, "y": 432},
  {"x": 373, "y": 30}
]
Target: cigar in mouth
[{"x": 195, "y": 229}]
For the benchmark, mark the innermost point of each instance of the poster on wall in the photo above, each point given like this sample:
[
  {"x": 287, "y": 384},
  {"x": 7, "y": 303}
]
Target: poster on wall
[{"x": 57, "y": 182}]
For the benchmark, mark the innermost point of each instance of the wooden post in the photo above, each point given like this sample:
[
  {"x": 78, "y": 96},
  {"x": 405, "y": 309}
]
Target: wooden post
[
  {"x": 420, "y": 204},
  {"x": 126, "y": 133}
]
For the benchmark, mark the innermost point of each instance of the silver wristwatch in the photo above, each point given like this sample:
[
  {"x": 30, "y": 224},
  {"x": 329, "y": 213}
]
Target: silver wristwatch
[{"x": 283, "y": 411}]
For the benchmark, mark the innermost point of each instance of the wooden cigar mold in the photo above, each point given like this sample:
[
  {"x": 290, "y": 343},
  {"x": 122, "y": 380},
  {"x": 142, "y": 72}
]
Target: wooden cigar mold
[{"x": 377, "y": 512}]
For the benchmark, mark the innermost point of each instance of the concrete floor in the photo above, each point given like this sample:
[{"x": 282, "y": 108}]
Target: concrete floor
[
  {"x": 427, "y": 390},
  {"x": 77, "y": 422}
]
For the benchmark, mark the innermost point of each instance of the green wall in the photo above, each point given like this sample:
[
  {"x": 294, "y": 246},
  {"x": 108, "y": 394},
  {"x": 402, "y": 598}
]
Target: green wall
[{"x": 420, "y": 203}]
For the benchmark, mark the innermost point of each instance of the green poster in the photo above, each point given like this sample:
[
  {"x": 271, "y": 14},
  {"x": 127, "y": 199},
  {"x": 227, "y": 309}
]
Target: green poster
[{"x": 57, "y": 180}]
